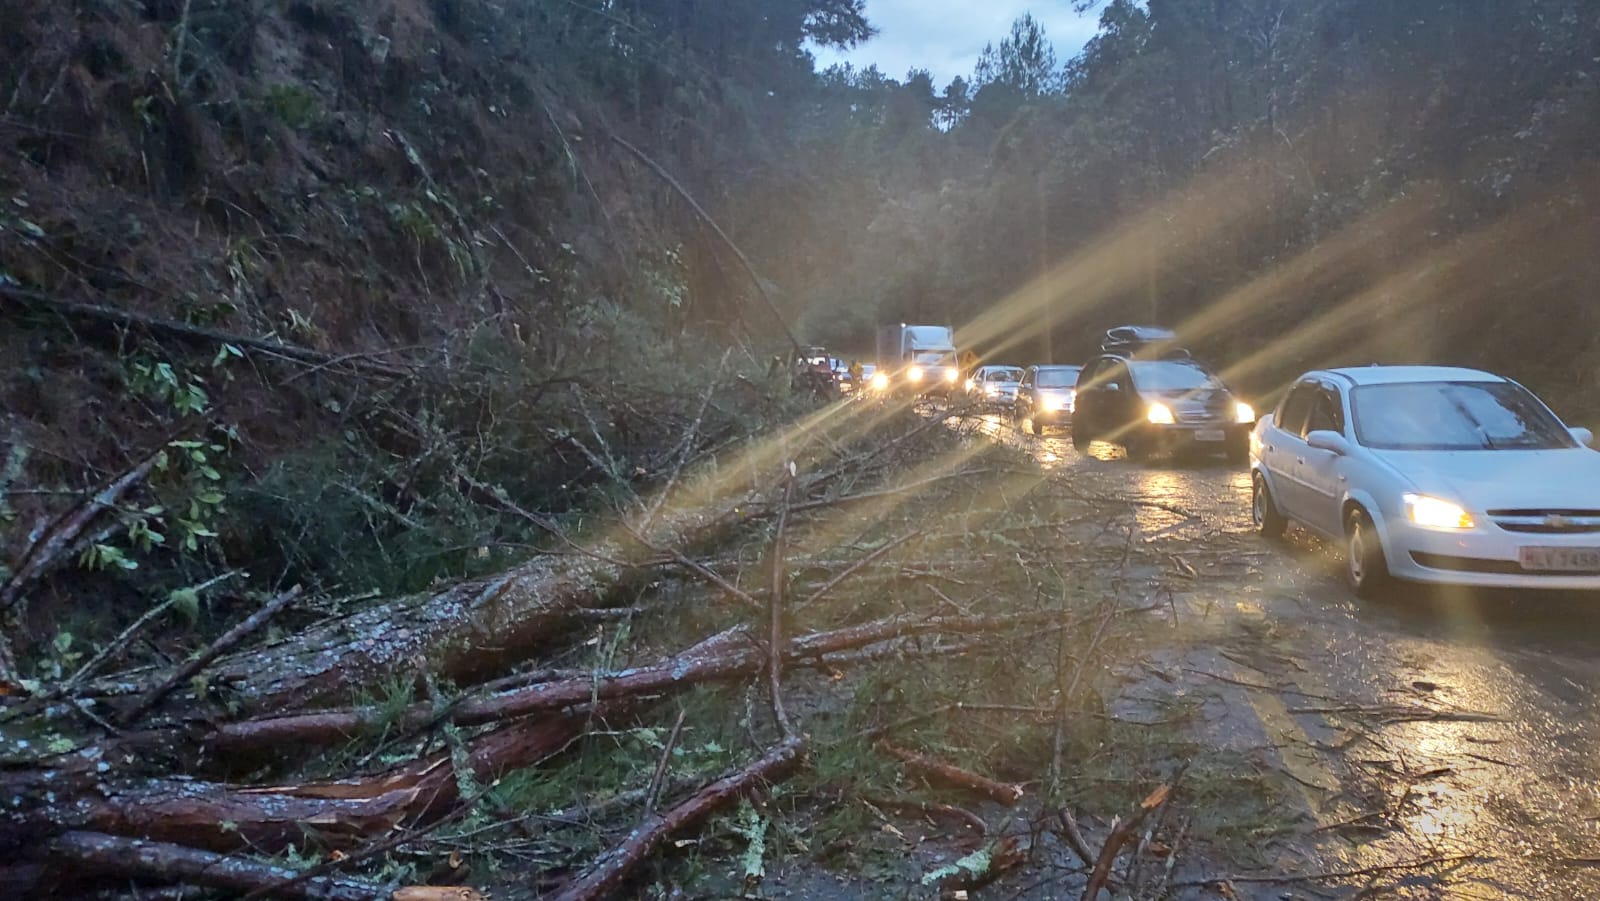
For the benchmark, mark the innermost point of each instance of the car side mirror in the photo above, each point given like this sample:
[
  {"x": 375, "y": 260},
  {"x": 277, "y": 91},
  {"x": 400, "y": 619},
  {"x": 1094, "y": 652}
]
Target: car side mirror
[
  {"x": 1583, "y": 437},
  {"x": 1329, "y": 441}
]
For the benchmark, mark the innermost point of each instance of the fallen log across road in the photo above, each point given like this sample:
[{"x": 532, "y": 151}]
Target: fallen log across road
[{"x": 728, "y": 655}]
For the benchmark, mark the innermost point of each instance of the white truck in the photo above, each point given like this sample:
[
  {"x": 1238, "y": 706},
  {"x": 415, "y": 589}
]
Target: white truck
[{"x": 917, "y": 359}]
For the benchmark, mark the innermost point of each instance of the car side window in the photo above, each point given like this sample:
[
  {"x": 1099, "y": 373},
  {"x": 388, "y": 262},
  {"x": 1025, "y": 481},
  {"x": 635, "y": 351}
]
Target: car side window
[
  {"x": 1297, "y": 408},
  {"x": 1326, "y": 413},
  {"x": 1120, "y": 377}
]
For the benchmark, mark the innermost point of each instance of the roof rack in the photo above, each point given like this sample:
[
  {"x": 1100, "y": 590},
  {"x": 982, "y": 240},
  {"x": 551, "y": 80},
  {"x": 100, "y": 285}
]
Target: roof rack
[{"x": 1129, "y": 339}]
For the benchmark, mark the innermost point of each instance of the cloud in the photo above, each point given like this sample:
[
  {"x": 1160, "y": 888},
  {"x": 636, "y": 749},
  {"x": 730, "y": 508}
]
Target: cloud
[{"x": 946, "y": 36}]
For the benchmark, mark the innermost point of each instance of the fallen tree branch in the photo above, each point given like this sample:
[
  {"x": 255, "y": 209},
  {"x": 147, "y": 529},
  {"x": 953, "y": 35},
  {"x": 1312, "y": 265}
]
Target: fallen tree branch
[
  {"x": 860, "y": 564},
  {"x": 1006, "y": 793},
  {"x": 98, "y": 854},
  {"x": 170, "y": 328},
  {"x": 749, "y": 268},
  {"x": 775, "y": 642},
  {"x": 1119, "y": 836},
  {"x": 931, "y": 809},
  {"x": 200, "y": 661},
  {"x": 608, "y": 874},
  {"x": 61, "y": 536}
]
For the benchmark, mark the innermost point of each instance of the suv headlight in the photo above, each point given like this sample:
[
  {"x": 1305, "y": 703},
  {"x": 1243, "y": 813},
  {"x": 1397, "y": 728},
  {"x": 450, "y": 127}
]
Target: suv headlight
[
  {"x": 1436, "y": 513},
  {"x": 1159, "y": 414},
  {"x": 950, "y": 375},
  {"x": 914, "y": 373},
  {"x": 879, "y": 381},
  {"x": 1244, "y": 413}
]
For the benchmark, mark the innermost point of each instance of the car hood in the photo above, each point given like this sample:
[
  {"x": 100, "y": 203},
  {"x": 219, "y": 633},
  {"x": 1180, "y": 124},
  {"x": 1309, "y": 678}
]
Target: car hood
[{"x": 1562, "y": 479}]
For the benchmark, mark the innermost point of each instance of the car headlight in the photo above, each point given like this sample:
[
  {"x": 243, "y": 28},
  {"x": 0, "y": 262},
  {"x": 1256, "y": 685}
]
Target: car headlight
[
  {"x": 1072, "y": 400},
  {"x": 880, "y": 381},
  {"x": 950, "y": 375},
  {"x": 914, "y": 373},
  {"x": 1159, "y": 414},
  {"x": 970, "y": 383},
  {"x": 1244, "y": 413},
  {"x": 1436, "y": 513},
  {"x": 991, "y": 390}
]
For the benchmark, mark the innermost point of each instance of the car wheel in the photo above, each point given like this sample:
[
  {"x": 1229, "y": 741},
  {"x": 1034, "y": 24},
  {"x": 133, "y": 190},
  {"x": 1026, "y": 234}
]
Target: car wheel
[
  {"x": 1365, "y": 568},
  {"x": 1264, "y": 510},
  {"x": 1080, "y": 437}
]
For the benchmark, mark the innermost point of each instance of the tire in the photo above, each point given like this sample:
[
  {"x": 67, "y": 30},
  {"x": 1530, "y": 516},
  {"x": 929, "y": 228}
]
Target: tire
[
  {"x": 1365, "y": 567},
  {"x": 1264, "y": 513},
  {"x": 1080, "y": 437}
]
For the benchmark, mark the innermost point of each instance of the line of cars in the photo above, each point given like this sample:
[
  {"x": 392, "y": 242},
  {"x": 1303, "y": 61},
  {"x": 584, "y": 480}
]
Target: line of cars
[
  {"x": 1142, "y": 392},
  {"x": 1425, "y": 474}
]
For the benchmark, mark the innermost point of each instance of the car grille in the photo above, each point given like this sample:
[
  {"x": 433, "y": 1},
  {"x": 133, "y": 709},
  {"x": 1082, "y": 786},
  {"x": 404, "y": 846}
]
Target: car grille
[
  {"x": 1198, "y": 416},
  {"x": 1498, "y": 567},
  {"x": 1547, "y": 522}
]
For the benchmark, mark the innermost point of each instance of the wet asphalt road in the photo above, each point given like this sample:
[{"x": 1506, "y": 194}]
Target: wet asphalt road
[{"x": 1430, "y": 726}]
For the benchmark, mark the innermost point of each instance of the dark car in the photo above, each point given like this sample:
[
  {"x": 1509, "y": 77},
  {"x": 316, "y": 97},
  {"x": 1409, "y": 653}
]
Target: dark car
[
  {"x": 1152, "y": 405},
  {"x": 1045, "y": 397}
]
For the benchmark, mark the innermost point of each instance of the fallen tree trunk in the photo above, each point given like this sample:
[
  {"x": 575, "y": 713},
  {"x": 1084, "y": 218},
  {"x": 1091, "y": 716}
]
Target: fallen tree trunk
[
  {"x": 86, "y": 855},
  {"x": 465, "y": 633},
  {"x": 732, "y": 654},
  {"x": 80, "y": 792},
  {"x": 607, "y": 875}
]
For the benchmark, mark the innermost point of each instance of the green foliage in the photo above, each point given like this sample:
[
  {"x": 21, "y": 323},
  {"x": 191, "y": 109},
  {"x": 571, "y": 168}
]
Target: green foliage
[
  {"x": 292, "y": 105},
  {"x": 160, "y": 380}
]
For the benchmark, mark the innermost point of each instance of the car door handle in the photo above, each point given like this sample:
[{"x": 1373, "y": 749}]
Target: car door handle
[{"x": 1300, "y": 460}]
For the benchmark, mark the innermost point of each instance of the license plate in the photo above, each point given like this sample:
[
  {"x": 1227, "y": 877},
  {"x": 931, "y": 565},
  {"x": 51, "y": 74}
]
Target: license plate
[
  {"x": 1561, "y": 559},
  {"x": 1210, "y": 435}
]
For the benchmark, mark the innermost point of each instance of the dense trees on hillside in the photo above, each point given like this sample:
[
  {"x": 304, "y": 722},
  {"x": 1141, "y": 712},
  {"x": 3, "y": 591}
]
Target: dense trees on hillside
[{"x": 1198, "y": 151}]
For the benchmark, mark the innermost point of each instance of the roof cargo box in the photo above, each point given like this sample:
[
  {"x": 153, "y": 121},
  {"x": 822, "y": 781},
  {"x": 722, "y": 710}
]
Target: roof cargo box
[{"x": 1130, "y": 338}]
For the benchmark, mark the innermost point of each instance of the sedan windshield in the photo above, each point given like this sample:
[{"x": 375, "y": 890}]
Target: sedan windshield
[
  {"x": 1166, "y": 376},
  {"x": 1059, "y": 376},
  {"x": 1003, "y": 375},
  {"x": 1454, "y": 416}
]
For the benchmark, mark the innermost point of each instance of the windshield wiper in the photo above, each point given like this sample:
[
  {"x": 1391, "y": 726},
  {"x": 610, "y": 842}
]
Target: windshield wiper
[{"x": 1462, "y": 408}]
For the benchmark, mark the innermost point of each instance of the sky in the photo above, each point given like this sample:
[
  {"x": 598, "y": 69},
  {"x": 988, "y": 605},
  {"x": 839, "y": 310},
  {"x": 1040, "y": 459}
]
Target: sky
[{"x": 945, "y": 36}]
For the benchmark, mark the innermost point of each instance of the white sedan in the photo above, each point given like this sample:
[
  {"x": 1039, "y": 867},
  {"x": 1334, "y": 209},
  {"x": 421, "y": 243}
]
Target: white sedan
[{"x": 1431, "y": 474}]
